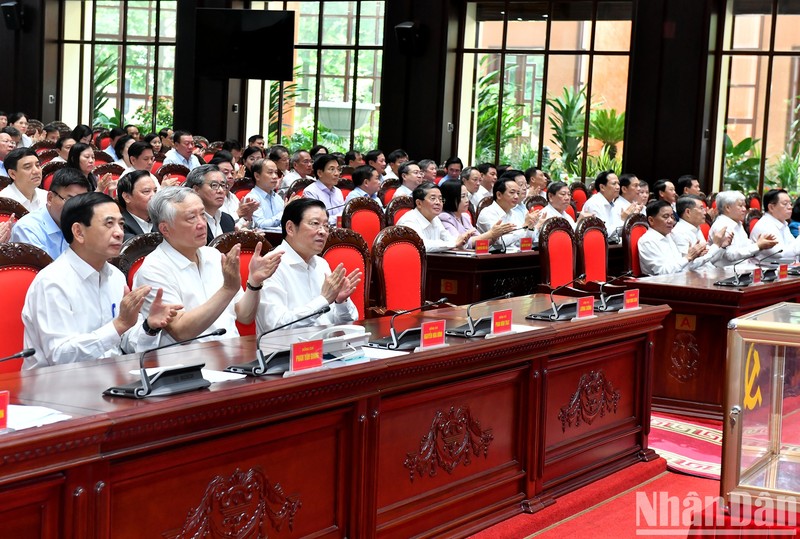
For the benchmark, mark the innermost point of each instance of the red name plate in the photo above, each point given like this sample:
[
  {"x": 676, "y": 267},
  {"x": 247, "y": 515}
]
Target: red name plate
[
  {"x": 631, "y": 299},
  {"x": 481, "y": 247},
  {"x": 501, "y": 321},
  {"x": 585, "y": 307},
  {"x": 526, "y": 244},
  {"x": 783, "y": 271},
  {"x": 757, "y": 275},
  {"x": 306, "y": 355},
  {"x": 4, "y": 396},
  {"x": 338, "y": 221},
  {"x": 432, "y": 334}
]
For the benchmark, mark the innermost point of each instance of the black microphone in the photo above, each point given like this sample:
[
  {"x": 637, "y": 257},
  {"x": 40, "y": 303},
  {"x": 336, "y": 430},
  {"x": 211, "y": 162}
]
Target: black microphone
[
  {"x": 405, "y": 341},
  {"x": 605, "y": 300},
  {"x": 744, "y": 280},
  {"x": 279, "y": 359},
  {"x": 769, "y": 274},
  {"x": 476, "y": 328},
  {"x": 28, "y": 352},
  {"x": 168, "y": 381},
  {"x": 567, "y": 310}
]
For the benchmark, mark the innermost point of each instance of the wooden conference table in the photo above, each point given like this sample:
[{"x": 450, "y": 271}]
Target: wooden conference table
[
  {"x": 440, "y": 442},
  {"x": 466, "y": 277},
  {"x": 690, "y": 358}
]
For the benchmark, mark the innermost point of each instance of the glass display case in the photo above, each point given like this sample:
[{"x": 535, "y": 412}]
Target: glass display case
[{"x": 761, "y": 427}]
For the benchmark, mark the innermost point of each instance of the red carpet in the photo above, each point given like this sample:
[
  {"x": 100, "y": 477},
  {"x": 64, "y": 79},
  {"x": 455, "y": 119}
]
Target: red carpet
[
  {"x": 689, "y": 445},
  {"x": 607, "y": 508}
]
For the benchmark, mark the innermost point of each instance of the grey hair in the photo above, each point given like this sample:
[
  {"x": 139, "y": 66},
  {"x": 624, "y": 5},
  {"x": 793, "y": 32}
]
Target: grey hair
[
  {"x": 197, "y": 175},
  {"x": 296, "y": 156},
  {"x": 425, "y": 163},
  {"x": 161, "y": 207},
  {"x": 466, "y": 172},
  {"x": 728, "y": 198}
]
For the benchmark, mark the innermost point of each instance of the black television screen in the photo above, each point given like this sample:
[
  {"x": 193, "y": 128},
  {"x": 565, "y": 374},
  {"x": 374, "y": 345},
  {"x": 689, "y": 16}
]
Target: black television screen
[{"x": 244, "y": 44}]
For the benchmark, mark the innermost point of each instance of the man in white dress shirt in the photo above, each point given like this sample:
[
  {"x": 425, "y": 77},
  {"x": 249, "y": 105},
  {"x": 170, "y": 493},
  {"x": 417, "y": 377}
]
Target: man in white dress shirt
[
  {"x": 686, "y": 233},
  {"x": 775, "y": 221},
  {"x": 304, "y": 282},
  {"x": 25, "y": 172},
  {"x": 537, "y": 183},
  {"x": 7, "y": 144},
  {"x": 411, "y": 175},
  {"x": 658, "y": 254},
  {"x": 376, "y": 160},
  {"x": 488, "y": 177},
  {"x": 602, "y": 203},
  {"x": 732, "y": 210},
  {"x": 424, "y": 220},
  {"x": 183, "y": 152},
  {"x": 206, "y": 282},
  {"x": 394, "y": 161},
  {"x": 78, "y": 308},
  {"x": 302, "y": 167},
  {"x": 210, "y": 185},
  {"x": 506, "y": 194},
  {"x": 629, "y": 194}
]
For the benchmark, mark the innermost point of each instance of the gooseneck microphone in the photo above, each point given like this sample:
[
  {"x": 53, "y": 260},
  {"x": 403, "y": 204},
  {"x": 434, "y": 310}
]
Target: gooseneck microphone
[
  {"x": 744, "y": 279},
  {"x": 261, "y": 365},
  {"x": 28, "y": 352},
  {"x": 772, "y": 275},
  {"x": 406, "y": 340},
  {"x": 556, "y": 289},
  {"x": 606, "y": 300},
  {"x": 476, "y": 328},
  {"x": 567, "y": 310},
  {"x": 168, "y": 381}
]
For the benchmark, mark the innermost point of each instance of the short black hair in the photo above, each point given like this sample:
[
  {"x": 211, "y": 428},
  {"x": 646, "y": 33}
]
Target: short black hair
[
  {"x": 222, "y": 156},
  {"x": 500, "y": 184},
  {"x": 554, "y": 188},
  {"x": 61, "y": 140},
  {"x": 625, "y": 180},
  {"x": 660, "y": 186},
  {"x": 654, "y": 207},
  {"x": 770, "y": 197},
  {"x": 15, "y": 155},
  {"x": 74, "y": 157},
  {"x": 422, "y": 189},
  {"x": 395, "y": 155},
  {"x": 362, "y": 174},
  {"x": 483, "y": 168},
  {"x": 404, "y": 168},
  {"x": 119, "y": 146},
  {"x": 137, "y": 149},
  {"x": 372, "y": 155},
  {"x": 117, "y": 132},
  {"x": 686, "y": 202},
  {"x": 684, "y": 182},
  {"x": 64, "y": 177},
  {"x": 80, "y": 209},
  {"x": 127, "y": 182},
  {"x": 453, "y": 160},
  {"x": 451, "y": 194},
  {"x": 352, "y": 155},
  {"x": 602, "y": 179},
  {"x": 276, "y": 151},
  {"x": 164, "y": 132},
  {"x": 250, "y": 150},
  {"x": 315, "y": 149},
  {"x": 295, "y": 210},
  {"x": 80, "y": 131},
  {"x": 530, "y": 172},
  {"x": 254, "y": 138},
  {"x": 322, "y": 161},
  {"x": 231, "y": 144},
  {"x": 176, "y": 136}
]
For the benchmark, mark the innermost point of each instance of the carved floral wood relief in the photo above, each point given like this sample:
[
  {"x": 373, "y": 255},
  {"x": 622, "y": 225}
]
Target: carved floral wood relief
[
  {"x": 594, "y": 397},
  {"x": 239, "y": 507},
  {"x": 685, "y": 357},
  {"x": 452, "y": 436}
]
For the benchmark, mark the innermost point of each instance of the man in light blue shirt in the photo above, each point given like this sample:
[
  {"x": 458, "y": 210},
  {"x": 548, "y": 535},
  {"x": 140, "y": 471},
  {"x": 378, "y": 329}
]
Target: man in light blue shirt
[
  {"x": 367, "y": 183},
  {"x": 270, "y": 208},
  {"x": 41, "y": 228},
  {"x": 182, "y": 153},
  {"x": 327, "y": 171}
]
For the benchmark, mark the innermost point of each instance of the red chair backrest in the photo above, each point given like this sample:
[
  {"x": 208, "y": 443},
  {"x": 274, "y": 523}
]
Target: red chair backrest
[
  {"x": 389, "y": 195},
  {"x": 352, "y": 259},
  {"x": 561, "y": 262},
  {"x": 399, "y": 213},
  {"x": 595, "y": 251},
  {"x": 580, "y": 198},
  {"x": 367, "y": 224},
  {"x": 242, "y": 193},
  {"x": 134, "y": 268},
  {"x": 636, "y": 233},
  {"x": 402, "y": 272},
  {"x": 705, "y": 228},
  {"x": 156, "y": 165},
  {"x": 751, "y": 225},
  {"x": 244, "y": 270},
  {"x": 571, "y": 211}
]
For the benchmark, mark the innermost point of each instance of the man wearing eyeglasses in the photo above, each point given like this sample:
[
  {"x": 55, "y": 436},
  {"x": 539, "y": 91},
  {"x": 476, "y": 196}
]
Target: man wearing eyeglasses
[
  {"x": 210, "y": 185},
  {"x": 303, "y": 282},
  {"x": 506, "y": 192}
]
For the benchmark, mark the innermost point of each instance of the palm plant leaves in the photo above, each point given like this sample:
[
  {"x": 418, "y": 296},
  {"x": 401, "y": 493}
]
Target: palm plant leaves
[
  {"x": 567, "y": 121},
  {"x": 105, "y": 75}
]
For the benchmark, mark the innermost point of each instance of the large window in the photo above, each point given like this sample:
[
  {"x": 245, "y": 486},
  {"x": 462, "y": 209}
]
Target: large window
[
  {"x": 760, "y": 105},
  {"x": 334, "y": 98},
  {"x": 118, "y": 60},
  {"x": 545, "y": 84}
]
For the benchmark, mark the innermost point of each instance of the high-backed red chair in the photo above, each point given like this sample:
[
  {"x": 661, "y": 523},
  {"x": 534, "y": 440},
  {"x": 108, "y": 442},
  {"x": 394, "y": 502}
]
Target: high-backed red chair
[
  {"x": 571, "y": 211},
  {"x": 5, "y": 181},
  {"x": 248, "y": 240},
  {"x": 9, "y": 207},
  {"x": 751, "y": 219},
  {"x": 484, "y": 203},
  {"x": 172, "y": 170},
  {"x": 537, "y": 202},
  {"x": 42, "y": 146},
  {"x": 208, "y": 154},
  {"x": 19, "y": 264},
  {"x": 158, "y": 162},
  {"x": 47, "y": 155},
  {"x": 242, "y": 186},
  {"x": 579, "y": 194},
  {"x": 398, "y": 259},
  {"x": 48, "y": 169},
  {"x": 397, "y": 208},
  {"x": 365, "y": 216},
  {"x": 345, "y": 246},
  {"x": 102, "y": 157},
  {"x": 386, "y": 192},
  {"x": 634, "y": 228},
  {"x": 347, "y": 173},
  {"x": 705, "y": 226},
  {"x": 297, "y": 187},
  {"x": 557, "y": 252},
  {"x": 753, "y": 201},
  {"x": 345, "y": 185},
  {"x": 133, "y": 252},
  {"x": 591, "y": 240}
]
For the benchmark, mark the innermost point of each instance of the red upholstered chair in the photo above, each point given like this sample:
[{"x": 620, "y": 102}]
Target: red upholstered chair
[
  {"x": 347, "y": 173},
  {"x": 634, "y": 228},
  {"x": 537, "y": 202},
  {"x": 133, "y": 252},
  {"x": 557, "y": 252},
  {"x": 398, "y": 207},
  {"x": 345, "y": 246},
  {"x": 484, "y": 203},
  {"x": 208, "y": 154},
  {"x": 366, "y": 217},
  {"x": 172, "y": 170},
  {"x": 579, "y": 194},
  {"x": 571, "y": 211},
  {"x": 109, "y": 168},
  {"x": 5, "y": 181},
  {"x": 47, "y": 155},
  {"x": 591, "y": 240},
  {"x": 47, "y": 173},
  {"x": 242, "y": 186},
  {"x": 298, "y": 187},
  {"x": 42, "y": 146},
  {"x": 19, "y": 264},
  {"x": 751, "y": 219},
  {"x": 398, "y": 259},
  {"x": 753, "y": 201},
  {"x": 248, "y": 240},
  {"x": 386, "y": 192},
  {"x": 705, "y": 226},
  {"x": 345, "y": 185},
  {"x": 102, "y": 157},
  {"x": 9, "y": 207},
  {"x": 158, "y": 162}
]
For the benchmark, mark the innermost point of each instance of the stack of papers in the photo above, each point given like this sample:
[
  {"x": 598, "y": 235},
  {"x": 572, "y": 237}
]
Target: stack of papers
[{"x": 25, "y": 417}]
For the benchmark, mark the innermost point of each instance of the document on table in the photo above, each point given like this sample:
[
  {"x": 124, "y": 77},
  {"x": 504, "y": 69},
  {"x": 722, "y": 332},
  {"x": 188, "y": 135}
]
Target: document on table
[{"x": 24, "y": 417}]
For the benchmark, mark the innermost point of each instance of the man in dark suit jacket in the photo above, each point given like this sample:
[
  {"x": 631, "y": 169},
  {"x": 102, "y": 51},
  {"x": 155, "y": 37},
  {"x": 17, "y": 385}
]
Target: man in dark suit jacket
[
  {"x": 134, "y": 191},
  {"x": 210, "y": 185}
]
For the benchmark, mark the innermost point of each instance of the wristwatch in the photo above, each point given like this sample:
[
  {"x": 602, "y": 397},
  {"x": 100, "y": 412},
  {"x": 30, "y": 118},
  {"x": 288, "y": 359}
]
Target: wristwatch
[{"x": 150, "y": 331}]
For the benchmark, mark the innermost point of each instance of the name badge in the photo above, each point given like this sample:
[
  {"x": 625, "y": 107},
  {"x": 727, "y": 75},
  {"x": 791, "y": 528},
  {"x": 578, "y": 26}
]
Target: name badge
[
  {"x": 432, "y": 334},
  {"x": 501, "y": 321},
  {"x": 306, "y": 355}
]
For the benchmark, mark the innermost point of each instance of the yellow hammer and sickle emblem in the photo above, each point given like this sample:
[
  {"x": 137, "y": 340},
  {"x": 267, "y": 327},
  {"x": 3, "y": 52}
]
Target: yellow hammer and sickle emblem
[{"x": 751, "y": 369}]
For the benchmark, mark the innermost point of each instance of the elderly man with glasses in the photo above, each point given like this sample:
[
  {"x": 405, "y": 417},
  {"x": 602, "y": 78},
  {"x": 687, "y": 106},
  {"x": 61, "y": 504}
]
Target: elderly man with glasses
[{"x": 209, "y": 183}]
